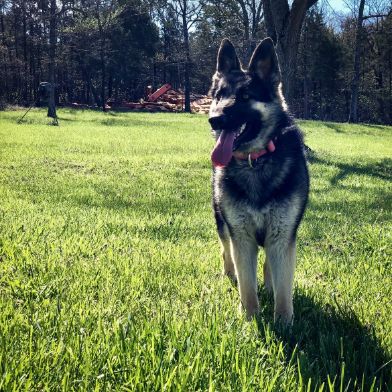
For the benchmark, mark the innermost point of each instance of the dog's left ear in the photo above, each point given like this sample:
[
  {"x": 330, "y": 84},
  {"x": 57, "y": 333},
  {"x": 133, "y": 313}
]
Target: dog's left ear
[
  {"x": 264, "y": 62},
  {"x": 227, "y": 60}
]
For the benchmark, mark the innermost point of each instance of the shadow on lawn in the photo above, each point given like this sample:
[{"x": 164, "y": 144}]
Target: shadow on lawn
[
  {"x": 325, "y": 338},
  {"x": 117, "y": 119},
  {"x": 370, "y": 209},
  {"x": 333, "y": 126},
  {"x": 381, "y": 169},
  {"x": 376, "y": 126},
  {"x": 165, "y": 218},
  {"x": 344, "y": 128}
]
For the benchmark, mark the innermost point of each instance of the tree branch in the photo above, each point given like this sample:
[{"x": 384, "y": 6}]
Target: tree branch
[{"x": 377, "y": 15}]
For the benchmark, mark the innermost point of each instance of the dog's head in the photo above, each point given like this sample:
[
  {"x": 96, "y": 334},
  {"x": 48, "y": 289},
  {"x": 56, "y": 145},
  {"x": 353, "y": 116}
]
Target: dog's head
[{"x": 246, "y": 103}]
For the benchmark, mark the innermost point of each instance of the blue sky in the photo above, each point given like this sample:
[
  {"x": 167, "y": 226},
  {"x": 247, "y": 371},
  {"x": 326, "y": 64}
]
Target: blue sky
[{"x": 338, "y": 5}]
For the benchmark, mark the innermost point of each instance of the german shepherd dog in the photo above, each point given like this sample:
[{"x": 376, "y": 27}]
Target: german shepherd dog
[{"x": 260, "y": 177}]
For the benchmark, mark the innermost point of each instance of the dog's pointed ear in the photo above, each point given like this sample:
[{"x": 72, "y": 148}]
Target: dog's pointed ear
[
  {"x": 227, "y": 58},
  {"x": 264, "y": 62}
]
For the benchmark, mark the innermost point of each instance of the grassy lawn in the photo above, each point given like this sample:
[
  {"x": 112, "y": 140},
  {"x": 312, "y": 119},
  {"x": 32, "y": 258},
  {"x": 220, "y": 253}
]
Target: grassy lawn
[{"x": 110, "y": 264}]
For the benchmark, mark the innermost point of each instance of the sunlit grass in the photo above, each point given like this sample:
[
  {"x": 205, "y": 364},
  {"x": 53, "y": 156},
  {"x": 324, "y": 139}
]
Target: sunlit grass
[{"x": 110, "y": 266}]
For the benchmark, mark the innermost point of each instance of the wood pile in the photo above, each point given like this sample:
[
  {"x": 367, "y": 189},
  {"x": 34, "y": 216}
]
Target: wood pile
[
  {"x": 201, "y": 105},
  {"x": 171, "y": 101}
]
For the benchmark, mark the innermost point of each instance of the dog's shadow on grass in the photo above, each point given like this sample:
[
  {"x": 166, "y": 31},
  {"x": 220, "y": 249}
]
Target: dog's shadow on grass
[{"x": 328, "y": 341}]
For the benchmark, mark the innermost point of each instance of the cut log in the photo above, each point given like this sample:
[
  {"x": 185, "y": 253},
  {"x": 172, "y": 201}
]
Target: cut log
[{"x": 154, "y": 96}]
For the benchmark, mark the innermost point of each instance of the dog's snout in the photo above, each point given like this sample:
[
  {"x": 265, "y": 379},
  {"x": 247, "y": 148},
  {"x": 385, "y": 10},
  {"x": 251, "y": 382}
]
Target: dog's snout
[{"x": 217, "y": 122}]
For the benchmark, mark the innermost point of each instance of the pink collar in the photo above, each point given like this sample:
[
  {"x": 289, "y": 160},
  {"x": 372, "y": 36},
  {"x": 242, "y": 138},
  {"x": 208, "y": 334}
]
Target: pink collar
[{"x": 256, "y": 154}]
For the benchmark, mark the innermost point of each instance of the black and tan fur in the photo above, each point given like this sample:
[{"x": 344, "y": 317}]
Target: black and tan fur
[{"x": 259, "y": 206}]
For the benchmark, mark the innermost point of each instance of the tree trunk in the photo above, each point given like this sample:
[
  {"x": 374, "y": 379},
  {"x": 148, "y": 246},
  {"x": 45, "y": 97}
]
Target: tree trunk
[
  {"x": 102, "y": 57},
  {"x": 31, "y": 63},
  {"x": 353, "y": 116},
  {"x": 269, "y": 20},
  {"x": 26, "y": 74},
  {"x": 245, "y": 22},
  {"x": 288, "y": 65},
  {"x": 110, "y": 86},
  {"x": 16, "y": 74},
  {"x": 94, "y": 92},
  {"x": 306, "y": 82},
  {"x": 187, "y": 86},
  {"x": 52, "y": 60},
  {"x": 284, "y": 26},
  {"x": 378, "y": 73},
  {"x": 4, "y": 93},
  {"x": 103, "y": 77}
]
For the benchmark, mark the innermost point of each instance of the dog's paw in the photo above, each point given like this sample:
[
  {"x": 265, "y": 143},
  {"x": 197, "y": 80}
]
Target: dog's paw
[
  {"x": 251, "y": 313},
  {"x": 284, "y": 318},
  {"x": 251, "y": 309}
]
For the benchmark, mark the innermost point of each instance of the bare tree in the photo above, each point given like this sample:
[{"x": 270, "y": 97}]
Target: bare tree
[
  {"x": 353, "y": 115},
  {"x": 104, "y": 15},
  {"x": 188, "y": 11},
  {"x": 283, "y": 24},
  {"x": 252, "y": 15},
  {"x": 374, "y": 12},
  {"x": 249, "y": 16},
  {"x": 54, "y": 14}
]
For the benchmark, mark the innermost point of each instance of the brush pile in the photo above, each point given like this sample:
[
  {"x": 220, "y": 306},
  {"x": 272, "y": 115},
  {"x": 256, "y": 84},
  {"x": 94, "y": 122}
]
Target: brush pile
[{"x": 170, "y": 101}]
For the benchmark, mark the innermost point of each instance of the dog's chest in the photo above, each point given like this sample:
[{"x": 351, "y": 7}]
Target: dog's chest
[{"x": 240, "y": 214}]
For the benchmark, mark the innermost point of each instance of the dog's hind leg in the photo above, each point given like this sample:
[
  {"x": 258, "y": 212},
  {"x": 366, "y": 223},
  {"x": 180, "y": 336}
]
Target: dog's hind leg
[
  {"x": 281, "y": 260},
  {"x": 244, "y": 251}
]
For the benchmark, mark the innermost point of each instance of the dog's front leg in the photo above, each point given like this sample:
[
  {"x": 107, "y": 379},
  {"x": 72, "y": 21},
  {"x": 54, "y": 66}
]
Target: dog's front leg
[
  {"x": 244, "y": 251},
  {"x": 281, "y": 262},
  {"x": 228, "y": 265},
  {"x": 267, "y": 276}
]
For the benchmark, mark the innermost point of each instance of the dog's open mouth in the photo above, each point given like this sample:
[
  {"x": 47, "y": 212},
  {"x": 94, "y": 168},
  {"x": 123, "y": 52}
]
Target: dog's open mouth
[{"x": 223, "y": 150}]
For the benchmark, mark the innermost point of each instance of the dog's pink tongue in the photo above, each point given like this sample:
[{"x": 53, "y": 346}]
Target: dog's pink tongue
[{"x": 223, "y": 150}]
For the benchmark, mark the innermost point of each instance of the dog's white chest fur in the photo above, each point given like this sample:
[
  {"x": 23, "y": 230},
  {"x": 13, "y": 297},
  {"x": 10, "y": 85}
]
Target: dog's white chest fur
[
  {"x": 274, "y": 219},
  {"x": 240, "y": 216}
]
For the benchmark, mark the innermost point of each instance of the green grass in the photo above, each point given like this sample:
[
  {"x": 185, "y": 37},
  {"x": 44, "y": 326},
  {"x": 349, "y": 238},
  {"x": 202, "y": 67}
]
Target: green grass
[{"x": 110, "y": 264}]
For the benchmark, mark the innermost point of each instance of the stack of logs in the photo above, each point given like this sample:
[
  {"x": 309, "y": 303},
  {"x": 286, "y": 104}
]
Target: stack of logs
[{"x": 171, "y": 101}]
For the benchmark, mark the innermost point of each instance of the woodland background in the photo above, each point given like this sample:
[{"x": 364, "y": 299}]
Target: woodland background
[{"x": 336, "y": 66}]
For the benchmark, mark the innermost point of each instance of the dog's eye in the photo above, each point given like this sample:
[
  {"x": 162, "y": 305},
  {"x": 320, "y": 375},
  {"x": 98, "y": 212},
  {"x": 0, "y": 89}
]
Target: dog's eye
[{"x": 245, "y": 96}]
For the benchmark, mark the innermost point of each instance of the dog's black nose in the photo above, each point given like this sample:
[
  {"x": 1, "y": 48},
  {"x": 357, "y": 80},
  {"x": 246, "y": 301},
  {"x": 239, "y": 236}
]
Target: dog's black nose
[{"x": 217, "y": 122}]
